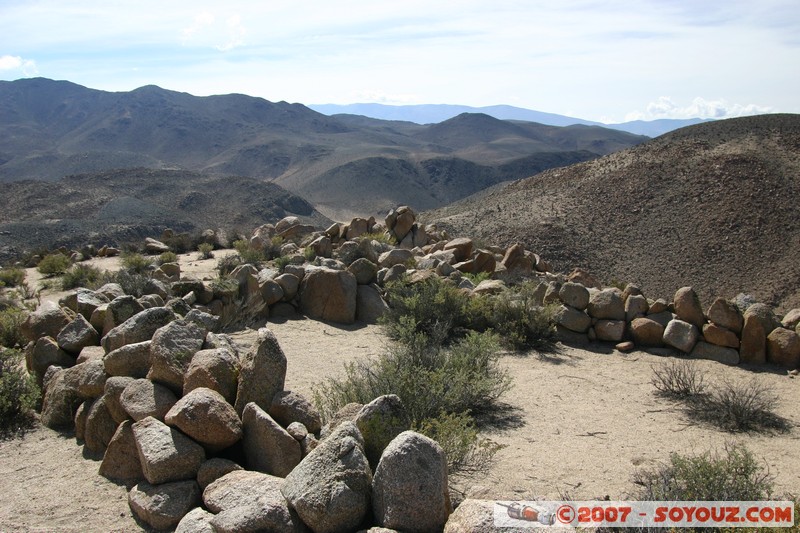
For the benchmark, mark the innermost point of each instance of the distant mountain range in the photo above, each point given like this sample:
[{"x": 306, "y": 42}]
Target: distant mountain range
[
  {"x": 433, "y": 113},
  {"x": 344, "y": 165}
]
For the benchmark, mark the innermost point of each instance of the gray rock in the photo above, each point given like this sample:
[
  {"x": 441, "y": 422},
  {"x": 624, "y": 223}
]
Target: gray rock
[
  {"x": 119, "y": 310},
  {"x": 121, "y": 460},
  {"x": 77, "y": 335},
  {"x": 213, "y": 469},
  {"x": 46, "y": 353},
  {"x": 574, "y": 295},
  {"x": 142, "y": 398},
  {"x": 396, "y": 256},
  {"x": 216, "y": 369},
  {"x": 88, "y": 301},
  {"x": 204, "y": 415},
  {"x": 288, "y": 407},
  {"x": 688, "y": 308},
  {"x": 80, "y": 419},
  {"x": 370, "y": 305},
  {"x": 166, "y": 454},
  {"x": 572, "y": 319},
  {"x": 475, "y": 516},
  {"x": 409, "y": 490},
  {"x": 88, "y": 378},
  {"x": 298, "y": 431},
  {"x": 132, "y": 360},
  {"x": 100, "y": 427},
  {"x": 268, "y": 447},
  {"x": 172, "y": 350},
  {"x": 636, "y": 306},
  {"x": 112, "y": 391},
  {"x": 138, "y": 328},
  {"x": 330, "y": 295},
  {"x": 379, "y": 422},
  {"x": 726, "y": 314},
  {"x": 197, "y": 520},
  {"x": 759, "y": 321},
  {"x": 263, "y": 371},
  {"x": 721, "y": 354},
  {"x": 783, "y": 348},
  {"x": 364, "y": 270},
  {"x": 681, "y": 335},
  {"x": 609, "y": 330},
  {"x": 290, "y": 284},
  {"x": 60, "y": 400},
  {"x": 47, "y": 321},
  {"x": 271, "y": 292},
  {"x": 249, "y": 501},
  {"x": 163, "y": 506},
  {"x": 330, "y": 488},
  {"x": 204, "y": 320},
  {"x": 606, "y": 304}
]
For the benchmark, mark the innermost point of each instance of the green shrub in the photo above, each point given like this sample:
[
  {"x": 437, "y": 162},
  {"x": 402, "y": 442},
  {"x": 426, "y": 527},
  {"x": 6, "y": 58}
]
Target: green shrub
[
  {"x": 206, "y": 250},
  {"x": 734, "y": 475},
  {"x": 521, "y": 323},
  {"x": 132, "y": 283},
  {"x": 18, "y": 393},
  {"x": 11, "y": 320},
  {"x": 381, "y": 237},
  {"x": 181, "y": 243},
  {"x": 281, "y": 262},
  {"x": 54, "y": 265},
  {"x": 11, "y": 277},
  {"x": 167, "y": 257},
  {"x": 467, "y": 453},
  {"x": 248, "y": 254},
  {"x": 309, "y": 254},
  {"x": 134, "y": 262},
  {"x": 81, "y": 275}
]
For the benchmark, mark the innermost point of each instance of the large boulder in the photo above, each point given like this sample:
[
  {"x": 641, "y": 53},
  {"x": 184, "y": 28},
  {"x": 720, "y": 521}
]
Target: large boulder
[
  {"x": 60, "y": 400},
  {"x": 681, "y": 335},
  {"x": 330, "y": 488},
  {"x": 370, "y": 305},
  {"x": 725, "y": 314},
  {"x": 198, "y": 520},
  {"x": 574, "y": 295},
  {"x": 461, "y": 248},
  {"x": 572, "y": 319},
  {"x": 163, "y": 506},
  {"x": 119, "y": 310},
  {"x": 77, "y": 335},
  {"x": 262, "y": 373},
  {"x": 138, "y": 328},
  {"x": 132, "y": 360},
  {"x": 47, "y": 353},
  {"x": 114, "y": 387},
  {"x": 267, "y": 446},
  {"x": 172, "y": 350},
  {"x": 636, "y": 306},
  {"x": 364, "y": 270},
  {"x": 759, "y": 321},
  {"x": 609, "y": 330},
  {"x": 606, "y": 304},
  {"x": 688, "y": 308},
  {"x": 721, "y": 354},
  {"x": 88, "y": 379},
  {"x": 474, "y": 516},
  {"x": 87, "y": 301},
  {"x": 165, "y": 453},
  {"x": 213, "y": 469},
  {"x": 121, "y": 459},
  {"x": 216, "y": 369},
  {"x": 791, "y": 319},
  {"x": 100, "y": 427},
  {"x": 142, "y": 398},
  {"x": 249, "y": 501},
  {"x": 409, "y": 489},
  {"x": 379, "y": 422},
  {"x": 47, "y": 321},
  {"x": 204, "y": 415},
  {"x": 783, "y": 348},
  {"x": 288, "y": 407},
  {"x": 720, "y": 336},
  {"x": 330, "y": 295}
]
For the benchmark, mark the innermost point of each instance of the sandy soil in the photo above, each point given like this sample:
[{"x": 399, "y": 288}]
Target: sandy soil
[{"x": 577, "y": 422}]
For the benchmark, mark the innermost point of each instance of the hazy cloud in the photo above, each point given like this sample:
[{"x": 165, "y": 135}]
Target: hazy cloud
[
  {"x": 207, "y": 30},
  {"x": 699, "y": 107},
  {"x": 11, "y": 63}
]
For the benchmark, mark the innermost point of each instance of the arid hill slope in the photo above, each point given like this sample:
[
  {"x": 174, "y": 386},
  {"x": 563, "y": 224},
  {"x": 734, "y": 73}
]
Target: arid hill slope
[
  {"x": 49, "y": 129},
  {"x": 127, "y": 205},
  {"x": 715, "y": 206}
]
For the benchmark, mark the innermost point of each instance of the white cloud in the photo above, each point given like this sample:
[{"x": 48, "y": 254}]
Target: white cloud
[
  {"x": 207, "y": 30},
  {"x": 11, "y": 63},
  {"x": 665, "y": 107}
]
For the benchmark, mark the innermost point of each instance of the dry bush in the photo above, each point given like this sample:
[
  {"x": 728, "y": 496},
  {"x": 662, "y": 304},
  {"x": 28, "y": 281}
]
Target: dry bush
[{"x": 678, "y": 379}]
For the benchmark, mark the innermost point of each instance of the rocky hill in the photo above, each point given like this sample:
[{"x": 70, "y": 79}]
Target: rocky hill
[
  {"x": 126, "y": 205},
  {"x": 714, "y": 206},
  {"x": 49, "y": 129}
]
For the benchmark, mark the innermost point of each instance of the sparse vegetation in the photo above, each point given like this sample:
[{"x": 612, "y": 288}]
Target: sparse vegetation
[
  {"x": 520, "y": 323},
  {"x": 228, "y": 264},
  {"x": 18, "y": 393},
  {"x": 11, "y": 277},
  {"x": 248, "y": 254},
  {"x": 135, "y": 263},
  {"x": 733, "y": 406},
  {"x": 167, "y": 257},
  {"x": 132, "y": 282},
  {"x": 206, "y": 250},
  {"x": 54, "y": 265},
  {"x": 11, "y": 319},
  {"x": 81, "y": 275},
  {"x": 381, "y": 237}
]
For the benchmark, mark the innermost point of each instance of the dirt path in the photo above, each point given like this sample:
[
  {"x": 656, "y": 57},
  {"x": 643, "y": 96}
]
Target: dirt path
[{"x": 577, "y": 422}]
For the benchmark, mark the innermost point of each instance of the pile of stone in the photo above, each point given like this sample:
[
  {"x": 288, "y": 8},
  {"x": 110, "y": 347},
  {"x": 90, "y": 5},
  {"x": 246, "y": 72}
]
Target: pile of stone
[{"x": 206, "y": 437}]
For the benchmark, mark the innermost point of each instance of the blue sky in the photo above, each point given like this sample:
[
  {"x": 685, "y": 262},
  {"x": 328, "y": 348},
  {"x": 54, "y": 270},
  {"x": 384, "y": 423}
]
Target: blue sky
[{"x": 608, "y": 60}]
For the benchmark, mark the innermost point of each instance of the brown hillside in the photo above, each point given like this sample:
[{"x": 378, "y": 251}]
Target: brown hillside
[{"x": 714, "y": 206}]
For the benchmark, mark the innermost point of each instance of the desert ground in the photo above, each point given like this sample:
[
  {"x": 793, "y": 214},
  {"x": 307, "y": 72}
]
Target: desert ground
[{"x": 577, "y": 422}]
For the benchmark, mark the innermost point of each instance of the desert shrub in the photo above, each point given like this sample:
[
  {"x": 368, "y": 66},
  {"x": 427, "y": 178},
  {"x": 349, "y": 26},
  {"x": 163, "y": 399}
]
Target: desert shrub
[
  {"x": 249, "y": 254},
  {"x": 206, "y": 250},
  {"x": 11, "y": 277},
  {"x": 132, "y": 283},
  {"x": 467, "y": 453},
  {"x": 181, "y": 243},
  {"x": 734, "y": 475},
  {"x": 282, "y": 261},
  {"x": 54, "y": 265},
  {"x": 519, "y": 321},
  {"x": 167, "y": 257},
  {"x": 679, "y": 379},
  {"x": 134, "y": 262},
  {"x": 11, "y": 319},
  {"x": 228, "y": 264},
  {"x": 309, "y": 254},
  {"x": 18, "y": 393},
  {"x": 477, "y": 278},
  {"x": 81, "y": 275},
  {"x": 381, "y": 237},
  {"x": 740, "y": 407},
  {"x": 431, "y": 306}
]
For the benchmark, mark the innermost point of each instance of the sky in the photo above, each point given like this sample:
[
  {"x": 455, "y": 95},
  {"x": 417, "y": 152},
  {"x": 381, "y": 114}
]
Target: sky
[{"x": 607, "y": 60}]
